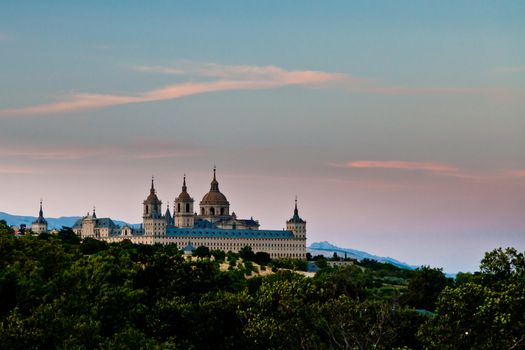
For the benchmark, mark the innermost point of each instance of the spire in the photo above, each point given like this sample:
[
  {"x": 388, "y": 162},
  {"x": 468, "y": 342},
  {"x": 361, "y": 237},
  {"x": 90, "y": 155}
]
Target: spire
[
  {"x": 167, "y": 215},
  {"x": 214, "y": 183},
  {"x": 152, "y": 190},
  {"x": 40, "y": 213},
  {"x": 94, "y": 214},
  {"x": 184, "y": 188},
  {"x": 296, "y": 218}
]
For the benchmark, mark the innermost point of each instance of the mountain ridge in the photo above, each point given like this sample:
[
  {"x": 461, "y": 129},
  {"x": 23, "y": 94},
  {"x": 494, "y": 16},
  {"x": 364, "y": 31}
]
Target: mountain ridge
[
  {"x": 67, "y": 221},
  {"x": 326, "y": 248}
]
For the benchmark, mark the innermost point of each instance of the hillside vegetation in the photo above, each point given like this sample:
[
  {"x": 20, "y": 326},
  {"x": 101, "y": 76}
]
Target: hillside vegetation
[{"x": 64, "y": 293}]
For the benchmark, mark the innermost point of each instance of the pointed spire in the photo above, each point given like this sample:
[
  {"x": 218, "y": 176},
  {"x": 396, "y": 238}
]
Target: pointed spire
[
  {"x": 296, "y": 211},
  {"x": 152, "y": 190},
  {"x": 41, "y": 212},
  {"x": 214, "y": 183},
  {"x": 94, "y": 214},
  {"x": 184, "y": 188}
]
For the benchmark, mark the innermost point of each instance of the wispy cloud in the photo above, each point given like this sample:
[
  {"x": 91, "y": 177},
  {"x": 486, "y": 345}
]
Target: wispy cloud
[
  {"x": 233, "y": 79},
  {"x": 14, "y": 170},
  {"x": 397, "y": 165},
  {"x": 243, "y": 77},
  {"x": 518, "y": 173},
  {"x": 246, "y": 72},
  {"x": 510, "y": 69},
  {"x": 142, "y": 149}
]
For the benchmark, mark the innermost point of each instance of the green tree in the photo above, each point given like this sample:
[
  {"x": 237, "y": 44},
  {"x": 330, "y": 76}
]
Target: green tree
[
  {"x": 262, "y": 258},
  {"x": 424, "y": 288},
  {"x": 5, "y": 229},
  {"x": 246, "y": 253},
  {"x": 485, "y": 313},
  {"x": 202, "y": 252}
]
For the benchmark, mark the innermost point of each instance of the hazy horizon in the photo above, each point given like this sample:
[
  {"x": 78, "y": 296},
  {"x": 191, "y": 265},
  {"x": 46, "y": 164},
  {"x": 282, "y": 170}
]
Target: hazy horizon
[{"x": 399, "y": 126}]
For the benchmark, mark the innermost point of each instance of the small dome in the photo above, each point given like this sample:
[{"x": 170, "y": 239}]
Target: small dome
[
  {"x": 184, "y": 196},
  {"x": 152, "y": 198}
]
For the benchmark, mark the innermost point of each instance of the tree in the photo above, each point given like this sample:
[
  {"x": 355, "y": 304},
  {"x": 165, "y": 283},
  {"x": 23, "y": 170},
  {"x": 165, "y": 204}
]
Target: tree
[
  {"x": 246, "y": 253},
  {"x": 424, "y": 288},
  {"x": 5, "y": 229},
  {"x": 67, "y": 236},
  {"x": 202, "y": 252},
  {"x": 487, "y": 312},
  {"x": 262, "y": 258},
  {"x": 218, "y": 255},
  {"x": 93, "y": 246}
]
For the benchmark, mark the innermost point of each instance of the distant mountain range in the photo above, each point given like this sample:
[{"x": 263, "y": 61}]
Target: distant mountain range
[
  {"x": 67, "y": 221},
  {"x": 327, "y": 249}
]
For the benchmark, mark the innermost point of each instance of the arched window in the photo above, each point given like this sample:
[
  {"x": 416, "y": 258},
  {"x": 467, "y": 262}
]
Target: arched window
[
  {"x": 222, "y": 211},
  {"x": 178, "y": 207},
  {"x": 212, "y": 211},
  {"x": 147, "y": 209},
  {"x": 202, "y": 211},
  {"x": 187, "y": 207}
]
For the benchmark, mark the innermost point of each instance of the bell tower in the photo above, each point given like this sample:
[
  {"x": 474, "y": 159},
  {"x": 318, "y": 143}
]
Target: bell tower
[
  {"x": 296, "y": 224},
  {"x": 154, "y": 222},
  {"x": 184, "y": 208}
]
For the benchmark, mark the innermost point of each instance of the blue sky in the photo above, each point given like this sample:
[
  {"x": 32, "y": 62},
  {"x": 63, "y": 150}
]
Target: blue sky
[{"x": 399, "y": 124}]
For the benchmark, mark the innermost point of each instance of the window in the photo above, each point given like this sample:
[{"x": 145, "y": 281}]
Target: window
[
  {"x": 222, "y": 211},
  {"x": 212, "y": 211},
  {"x": 178, "y": 207},
  {"x": 187, "y": 207}
]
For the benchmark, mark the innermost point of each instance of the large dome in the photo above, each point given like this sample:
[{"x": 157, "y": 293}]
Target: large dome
[{"x": 213, "y": 198}]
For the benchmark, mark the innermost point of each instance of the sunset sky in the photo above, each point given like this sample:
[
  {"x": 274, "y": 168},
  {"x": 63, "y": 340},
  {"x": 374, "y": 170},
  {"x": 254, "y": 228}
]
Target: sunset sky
[{"x": 400, "y": 125}]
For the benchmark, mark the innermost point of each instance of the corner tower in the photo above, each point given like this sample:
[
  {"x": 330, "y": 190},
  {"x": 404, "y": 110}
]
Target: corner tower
[
  {"x": 296, "y": 224},
  {"x": 184, "y": 208},
  {"x": 40, "y": 224},
  {"x": 154, "y": 222}
]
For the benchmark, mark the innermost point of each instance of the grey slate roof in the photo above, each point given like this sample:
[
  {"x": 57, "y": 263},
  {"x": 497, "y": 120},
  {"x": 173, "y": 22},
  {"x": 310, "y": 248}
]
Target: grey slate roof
[{"x": 215, "y": 232}]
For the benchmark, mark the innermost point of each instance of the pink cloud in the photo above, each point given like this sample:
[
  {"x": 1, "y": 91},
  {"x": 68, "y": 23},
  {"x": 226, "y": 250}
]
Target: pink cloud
[
  {"x": 243, "y": 77},
  {"x": 14, "y": 170},
  {"x": 245, "y": 72},
  {"x": 518, "y": 173},
  {"x": 143, "y": 149},
  {"x": 399, "y": 165},
  {"x": 264, "y": 78}
]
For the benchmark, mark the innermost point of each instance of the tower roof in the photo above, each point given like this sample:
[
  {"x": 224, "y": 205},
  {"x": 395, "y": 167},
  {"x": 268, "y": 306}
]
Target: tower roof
[
  {"x": 152, "y": 198},
  {"x": 296, "y": 218},
  {"x": 184, "y": 195},
  {"x": 214, "y": 196},
  {"x": 167, "y": 215},
  {"x": 40, "y": 219}
]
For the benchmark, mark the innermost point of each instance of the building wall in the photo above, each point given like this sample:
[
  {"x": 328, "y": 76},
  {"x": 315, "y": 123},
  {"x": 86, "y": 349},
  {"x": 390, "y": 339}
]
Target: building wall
[{"x": 293, "y": 248}]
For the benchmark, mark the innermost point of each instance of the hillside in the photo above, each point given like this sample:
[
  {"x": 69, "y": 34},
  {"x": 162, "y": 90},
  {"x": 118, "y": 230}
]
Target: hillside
[{"x": 327, "y": 249}]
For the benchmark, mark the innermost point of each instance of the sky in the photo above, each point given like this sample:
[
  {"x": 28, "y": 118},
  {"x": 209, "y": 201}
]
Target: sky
[{"x": 400, "y": 126}]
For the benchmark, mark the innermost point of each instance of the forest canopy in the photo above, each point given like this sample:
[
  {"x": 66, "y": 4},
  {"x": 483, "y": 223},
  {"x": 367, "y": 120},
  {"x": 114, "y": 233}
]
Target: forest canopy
[{"x": 63, "y": 292}]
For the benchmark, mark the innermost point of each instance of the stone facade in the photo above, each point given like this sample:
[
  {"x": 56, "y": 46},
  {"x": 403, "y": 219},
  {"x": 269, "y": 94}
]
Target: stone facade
[{"x": 214, "y": 227}]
